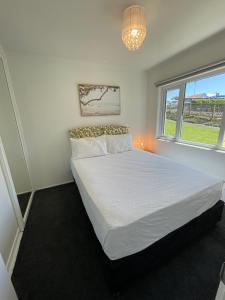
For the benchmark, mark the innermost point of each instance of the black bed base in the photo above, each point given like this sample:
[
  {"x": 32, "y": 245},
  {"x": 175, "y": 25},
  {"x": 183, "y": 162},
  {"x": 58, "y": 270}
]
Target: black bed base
[{"x": 122, "y": 271}]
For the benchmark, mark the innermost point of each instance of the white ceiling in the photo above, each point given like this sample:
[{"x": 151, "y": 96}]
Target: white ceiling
[{"x": 90, "y": 29}]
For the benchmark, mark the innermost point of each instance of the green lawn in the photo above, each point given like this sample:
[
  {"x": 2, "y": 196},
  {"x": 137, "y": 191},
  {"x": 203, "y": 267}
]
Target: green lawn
[{"x": 194, "y": 132}]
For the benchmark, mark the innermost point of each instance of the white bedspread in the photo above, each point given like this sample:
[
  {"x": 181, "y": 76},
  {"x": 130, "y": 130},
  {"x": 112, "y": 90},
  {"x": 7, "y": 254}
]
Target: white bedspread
[{"x": 135, "y": 198}]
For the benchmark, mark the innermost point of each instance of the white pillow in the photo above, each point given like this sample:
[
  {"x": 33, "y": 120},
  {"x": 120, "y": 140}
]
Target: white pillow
[
  {"x": 88, "y": 147},
  {"x": 119, "y": 143}
]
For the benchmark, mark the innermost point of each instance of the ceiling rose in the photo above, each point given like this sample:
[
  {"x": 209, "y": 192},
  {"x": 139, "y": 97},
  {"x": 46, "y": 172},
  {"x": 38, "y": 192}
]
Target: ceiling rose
[{"x": 133, "y": 27}]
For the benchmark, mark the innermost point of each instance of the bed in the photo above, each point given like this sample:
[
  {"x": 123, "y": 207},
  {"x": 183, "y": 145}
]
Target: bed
[{"x": 144, "y": 207}]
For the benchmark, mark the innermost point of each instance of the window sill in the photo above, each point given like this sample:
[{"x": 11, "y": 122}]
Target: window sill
[{"x": 202, "y": 147}]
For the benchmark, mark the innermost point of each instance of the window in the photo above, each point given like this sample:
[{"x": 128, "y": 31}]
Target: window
[
  {"x": 193, "y": 111},
  {"x": 171, "y": 100}
]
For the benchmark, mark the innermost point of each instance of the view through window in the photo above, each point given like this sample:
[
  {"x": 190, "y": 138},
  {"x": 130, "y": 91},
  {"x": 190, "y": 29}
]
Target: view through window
[
  {"x": 171, "y": 112},
  {"x": 203, "y": 107}
]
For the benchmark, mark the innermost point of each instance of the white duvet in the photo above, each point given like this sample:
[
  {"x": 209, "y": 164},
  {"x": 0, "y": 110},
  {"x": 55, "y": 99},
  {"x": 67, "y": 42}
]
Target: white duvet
[{"x": 135, "y": 198}]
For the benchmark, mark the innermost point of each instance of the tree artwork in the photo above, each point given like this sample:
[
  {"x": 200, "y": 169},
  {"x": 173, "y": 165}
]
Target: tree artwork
[{"x": 97, "y": 100}]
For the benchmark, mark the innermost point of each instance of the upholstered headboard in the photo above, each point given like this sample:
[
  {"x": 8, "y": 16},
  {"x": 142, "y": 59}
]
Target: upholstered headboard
[{"x": 94, "y": 131}]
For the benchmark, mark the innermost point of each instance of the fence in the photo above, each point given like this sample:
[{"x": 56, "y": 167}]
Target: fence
[
  {"x": 211, "y": 110},
  {"x": 206, "y": 113}
]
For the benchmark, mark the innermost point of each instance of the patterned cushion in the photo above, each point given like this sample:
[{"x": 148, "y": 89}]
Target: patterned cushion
[
  {"x": 89, "y": 131},
  {"x": 115, "y": 129},
  {"x": 94, "y": 131}
]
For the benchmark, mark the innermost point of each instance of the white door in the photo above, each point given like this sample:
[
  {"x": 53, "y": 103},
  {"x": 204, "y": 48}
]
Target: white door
[{"x": 7, "y": 291}]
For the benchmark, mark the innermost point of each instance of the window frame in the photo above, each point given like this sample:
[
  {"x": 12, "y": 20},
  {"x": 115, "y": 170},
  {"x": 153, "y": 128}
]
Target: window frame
[{"x": 181, "y": 84}]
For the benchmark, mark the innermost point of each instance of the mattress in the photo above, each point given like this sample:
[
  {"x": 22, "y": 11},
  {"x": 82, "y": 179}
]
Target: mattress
[{"x": 135, "y": 198}]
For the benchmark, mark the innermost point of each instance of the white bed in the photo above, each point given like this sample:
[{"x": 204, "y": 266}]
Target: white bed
[{"x": 135, "y": 198}]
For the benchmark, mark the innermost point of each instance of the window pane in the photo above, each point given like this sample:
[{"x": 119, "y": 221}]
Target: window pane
[
  {"x": 172, "y": 97},
  {"x": 203, "y": 110}
]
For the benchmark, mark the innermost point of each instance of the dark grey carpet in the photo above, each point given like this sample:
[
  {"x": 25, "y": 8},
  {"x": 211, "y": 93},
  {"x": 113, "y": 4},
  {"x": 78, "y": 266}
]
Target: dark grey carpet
[
  {"x": 23, "y": 200},
  {"x": 59, "y": 258}
]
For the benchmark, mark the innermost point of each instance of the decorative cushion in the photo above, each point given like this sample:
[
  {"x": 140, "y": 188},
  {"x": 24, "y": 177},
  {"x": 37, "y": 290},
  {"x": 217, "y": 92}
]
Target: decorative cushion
[
  {"x": 94, "y": 131},
  {"x": 89, "y": 131},
  {"x": 115, "y": 129}
]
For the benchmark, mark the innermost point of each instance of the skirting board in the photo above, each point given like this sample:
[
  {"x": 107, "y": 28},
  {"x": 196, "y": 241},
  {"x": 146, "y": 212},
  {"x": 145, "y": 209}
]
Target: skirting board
[
  {"x": 14, "y": 251},
  {"x": 16, "y": 243},
  {"x": 53, "y": 185},
  {"x": 28, "y": 207}
]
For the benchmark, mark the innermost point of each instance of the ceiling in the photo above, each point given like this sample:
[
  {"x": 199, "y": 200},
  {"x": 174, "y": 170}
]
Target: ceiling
[{"x": 90, "y": 29}]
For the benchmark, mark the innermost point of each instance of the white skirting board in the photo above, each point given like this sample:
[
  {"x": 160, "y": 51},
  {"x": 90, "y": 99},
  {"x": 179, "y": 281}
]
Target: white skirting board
[
  {"x": 28, "y": 207},
  {"x": 14, "y": 251},
  {"x": 52, "y": 185},
  {"x": 16, "y": 243}
]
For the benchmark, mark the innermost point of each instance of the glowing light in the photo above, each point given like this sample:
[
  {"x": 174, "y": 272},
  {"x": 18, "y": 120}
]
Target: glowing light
[{"x": 134, "y": 27}]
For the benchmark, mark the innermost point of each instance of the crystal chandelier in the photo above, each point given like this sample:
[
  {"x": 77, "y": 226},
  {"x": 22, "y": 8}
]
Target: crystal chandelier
[{"x": 134, "y": 27}]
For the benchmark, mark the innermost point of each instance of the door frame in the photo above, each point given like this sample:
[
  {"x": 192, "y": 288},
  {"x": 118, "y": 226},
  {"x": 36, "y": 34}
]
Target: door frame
[
  {"x": 3, "y": 158},
  {"x": 10, "y": 186}
]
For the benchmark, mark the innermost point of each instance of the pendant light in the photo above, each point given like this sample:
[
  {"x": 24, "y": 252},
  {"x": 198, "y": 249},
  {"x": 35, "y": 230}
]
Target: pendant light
[{"x": 133, "y": 27}]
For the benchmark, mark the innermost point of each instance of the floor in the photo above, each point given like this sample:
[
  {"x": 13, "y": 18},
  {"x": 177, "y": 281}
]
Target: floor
[
  {"x": 59, "y": 258},
  {"x": 23, "y": 201}
]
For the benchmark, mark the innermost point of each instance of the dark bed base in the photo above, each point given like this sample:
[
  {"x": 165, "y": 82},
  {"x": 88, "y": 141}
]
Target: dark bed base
[{"x": 123, "y": 270}]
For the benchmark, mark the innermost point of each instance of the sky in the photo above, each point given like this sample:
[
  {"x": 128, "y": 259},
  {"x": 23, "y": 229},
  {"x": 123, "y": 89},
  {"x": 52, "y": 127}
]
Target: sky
[{"x": 210, "y": 85}]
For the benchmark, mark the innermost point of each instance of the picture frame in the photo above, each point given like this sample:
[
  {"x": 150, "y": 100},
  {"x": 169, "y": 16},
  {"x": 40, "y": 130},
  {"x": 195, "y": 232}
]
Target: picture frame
[{"x": 99, "y": 99}]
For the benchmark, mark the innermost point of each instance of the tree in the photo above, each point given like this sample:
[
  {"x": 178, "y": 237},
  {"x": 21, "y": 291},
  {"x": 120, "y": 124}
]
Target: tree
[{"x": 85, "y": 89}]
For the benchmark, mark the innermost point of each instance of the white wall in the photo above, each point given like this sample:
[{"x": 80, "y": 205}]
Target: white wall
[
  {"x": 209, "y": 51},
  {"x": 47, "y": 96},
  {"x": 8, "y": 221}
]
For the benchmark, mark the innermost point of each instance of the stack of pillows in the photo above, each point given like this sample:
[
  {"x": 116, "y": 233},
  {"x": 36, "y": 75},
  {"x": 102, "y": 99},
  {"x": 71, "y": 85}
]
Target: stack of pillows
[{"x": 84, "y": 147}]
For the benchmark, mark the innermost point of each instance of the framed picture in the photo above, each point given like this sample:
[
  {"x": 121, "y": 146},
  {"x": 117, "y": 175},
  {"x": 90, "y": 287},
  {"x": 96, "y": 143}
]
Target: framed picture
[{"x": 99, "y": 100}]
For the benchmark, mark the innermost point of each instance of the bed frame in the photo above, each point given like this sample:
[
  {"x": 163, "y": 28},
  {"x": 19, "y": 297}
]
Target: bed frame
[{"x": 122, "y": 271}]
